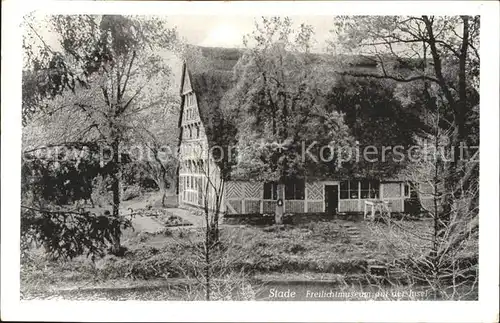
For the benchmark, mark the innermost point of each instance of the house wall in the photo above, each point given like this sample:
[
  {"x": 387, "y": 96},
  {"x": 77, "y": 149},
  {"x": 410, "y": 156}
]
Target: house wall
[
  {"x": 314, "y": 197},
  {"x": 392, "y": 192},
  {"x": 199, "y": 175},
  {"x": 247, "y": 198}
]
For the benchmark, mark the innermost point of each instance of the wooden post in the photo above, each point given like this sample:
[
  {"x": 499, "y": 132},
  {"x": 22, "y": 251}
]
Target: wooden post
[
  {"x": 279, "y": 208},
  {"x": 305, "y": 197}
]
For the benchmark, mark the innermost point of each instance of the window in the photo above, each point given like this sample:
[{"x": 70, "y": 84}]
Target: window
[
  {"x": 190, "y": 99},
  {"x": 349, "y": 190},
  {"x": 197, "y": 131},
  {"x": 270, "y": 191},
  {"x": 294, "y": 190},
  {"x": 344, "y": 190},
  {"x": 188, "y": 183},
  {"x": 407, "y": 190},
  {"x": 365, "y": 189},
  {"x": 353, "y": 190},
  {"x": 369, "y": 189}
]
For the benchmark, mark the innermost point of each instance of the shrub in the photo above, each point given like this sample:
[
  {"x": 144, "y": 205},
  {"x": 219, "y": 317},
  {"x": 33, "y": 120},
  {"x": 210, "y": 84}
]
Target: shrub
[
  {"x": 132, "y": 192},
  {"x": 296, "y": 248}
]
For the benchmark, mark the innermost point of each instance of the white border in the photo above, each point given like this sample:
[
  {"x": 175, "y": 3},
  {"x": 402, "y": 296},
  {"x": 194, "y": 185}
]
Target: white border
[{"x": 484, "y": 310}]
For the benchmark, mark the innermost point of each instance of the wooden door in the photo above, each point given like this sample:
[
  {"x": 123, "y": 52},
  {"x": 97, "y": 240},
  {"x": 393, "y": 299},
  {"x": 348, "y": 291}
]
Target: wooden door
[{"x": 331, "y": 199}]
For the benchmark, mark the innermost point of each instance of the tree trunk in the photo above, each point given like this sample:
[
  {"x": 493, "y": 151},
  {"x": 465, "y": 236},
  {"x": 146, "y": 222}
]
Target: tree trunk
[
  {"x": 116, "y": 190},
  {"x": 162, "y": 185},
  {"x": 278, "y": 218},
  {"x": 452, "y": 173},
  {"x": 164, "y": 198}
]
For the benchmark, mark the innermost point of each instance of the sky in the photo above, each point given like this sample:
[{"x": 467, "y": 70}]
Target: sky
[
  {"x": 228, "y": 31},
  {"x": 218, "y": 31}
]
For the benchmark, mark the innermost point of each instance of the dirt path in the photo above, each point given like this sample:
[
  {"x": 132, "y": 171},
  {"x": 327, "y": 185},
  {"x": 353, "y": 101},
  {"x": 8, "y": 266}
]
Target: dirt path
[
  {"x": 146, "y": 224},
  {"x": 197, "y": 221},
  {"x": 142, "y": 223}
]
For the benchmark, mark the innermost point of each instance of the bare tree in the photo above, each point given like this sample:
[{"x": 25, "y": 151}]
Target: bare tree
[
  {"x": 107, "y": 72},
  {"x": 443, "y": 256},
  {"x": 435, "y": 62},
  {"x": 442, "y": 53},
  {"x": 217, "y": 262},
  {"x": 217, "y": 271},
  {"x": 211, "y": 187},
  {"x": 160, "y": 161}
]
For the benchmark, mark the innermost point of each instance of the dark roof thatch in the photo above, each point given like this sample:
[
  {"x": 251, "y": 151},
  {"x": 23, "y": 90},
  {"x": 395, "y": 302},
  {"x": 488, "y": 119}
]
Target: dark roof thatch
[
  {"x": 211, "y": 74},
  {"x": 210, "y": 70}
]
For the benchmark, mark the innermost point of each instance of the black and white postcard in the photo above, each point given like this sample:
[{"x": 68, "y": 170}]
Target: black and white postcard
[{"x": 310, "y": 161}]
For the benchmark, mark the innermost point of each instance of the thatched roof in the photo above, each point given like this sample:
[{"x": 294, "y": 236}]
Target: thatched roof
[{"x": 210, "y": 71}]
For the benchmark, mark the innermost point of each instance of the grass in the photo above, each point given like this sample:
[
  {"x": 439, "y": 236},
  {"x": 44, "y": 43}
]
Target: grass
[{"x": 312, "y": 251}]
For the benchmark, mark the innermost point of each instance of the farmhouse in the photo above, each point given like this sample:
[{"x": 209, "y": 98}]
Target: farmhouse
[{"x": 200, "y": 97}]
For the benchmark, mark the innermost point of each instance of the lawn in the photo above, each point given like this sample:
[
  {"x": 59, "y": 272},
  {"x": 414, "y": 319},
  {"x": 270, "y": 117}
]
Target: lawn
[{"x": 320, "y": 251}]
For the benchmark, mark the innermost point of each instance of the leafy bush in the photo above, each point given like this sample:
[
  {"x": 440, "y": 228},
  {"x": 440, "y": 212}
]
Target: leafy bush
[
  {"x": 68, "y": 234},
  {"x": 296, "y": 248},
  {"x": 132, "y": 192}
]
